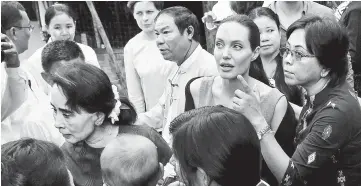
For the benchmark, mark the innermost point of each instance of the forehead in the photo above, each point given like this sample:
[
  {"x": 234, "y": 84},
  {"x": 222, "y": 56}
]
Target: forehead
[
  {"x": 61, "y": 17},
  {"x": 297, "y": 38},
  {"x": 232, "y": 31},
  {"x": 264, "y": 22},
  {"x": 58, "y": 98},
  {"x": 143, "y": 5},
  {"x": 165, "y": 20}
]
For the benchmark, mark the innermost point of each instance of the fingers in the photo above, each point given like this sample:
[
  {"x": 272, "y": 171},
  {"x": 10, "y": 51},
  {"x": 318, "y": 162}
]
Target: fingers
[
  {"x": 244, "y": 84},
  {"x": 4, "y": 38}
]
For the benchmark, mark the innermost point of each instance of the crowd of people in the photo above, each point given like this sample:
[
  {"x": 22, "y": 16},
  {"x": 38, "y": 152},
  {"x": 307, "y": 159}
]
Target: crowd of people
[{"x": 275, "y": 104}]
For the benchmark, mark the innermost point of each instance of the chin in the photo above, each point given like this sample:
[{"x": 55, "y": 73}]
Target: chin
[
  {"x": 292, "y": 82},
  {"x": 228, "y": 75}
]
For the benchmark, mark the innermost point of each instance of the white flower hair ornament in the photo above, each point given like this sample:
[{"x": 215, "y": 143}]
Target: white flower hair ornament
[{"x": 116, "y": 110}]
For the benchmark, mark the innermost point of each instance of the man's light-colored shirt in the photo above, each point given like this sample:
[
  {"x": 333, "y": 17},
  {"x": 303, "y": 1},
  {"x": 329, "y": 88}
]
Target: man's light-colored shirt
[
  {"x": 34, "y": 66},
  {"x": 172, "y": 102},
  {"x": 146, "y": 72},
  {"x": 34, "y": 118}
]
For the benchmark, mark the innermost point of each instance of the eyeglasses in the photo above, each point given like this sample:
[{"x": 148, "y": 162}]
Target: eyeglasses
[
  {"x": 285, "y": 51},
  {"x": 30, "y": 27}
]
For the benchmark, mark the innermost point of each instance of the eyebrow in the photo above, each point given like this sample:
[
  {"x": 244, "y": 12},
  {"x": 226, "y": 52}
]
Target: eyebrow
[
  {"x": 297, "y": 46},
  {"x": 62, "y": 109},
  {"x": 166, "y": 27}
]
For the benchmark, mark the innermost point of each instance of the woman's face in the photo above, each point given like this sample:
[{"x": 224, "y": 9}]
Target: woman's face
[
  {"x": 270, "y": 36},
  {"x": 305, "y": 70},
  {"x": 144, "y": 13},
  {"x": 232, "y": 50},
  {"x": 61, "y": 27},
  {"x": 74, "y": 126}
]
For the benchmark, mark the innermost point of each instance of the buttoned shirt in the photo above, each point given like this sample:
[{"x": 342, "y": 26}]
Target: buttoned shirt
[
  {"x": 146, "y": 72},
  {"x": 328, "y": 141},
  {"x": 172, "y": 102}
]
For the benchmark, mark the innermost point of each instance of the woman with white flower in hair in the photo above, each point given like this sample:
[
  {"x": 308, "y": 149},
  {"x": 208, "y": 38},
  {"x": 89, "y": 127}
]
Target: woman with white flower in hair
[{"x": 89, "y": 113}]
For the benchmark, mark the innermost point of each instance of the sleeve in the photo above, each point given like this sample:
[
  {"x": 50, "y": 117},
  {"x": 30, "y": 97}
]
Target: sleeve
[
  {"x": 14, "y": 91},
  {"x": 328, "y": 134},
  {"x": 353, "y": 28},
  {"x": 135, "y": 91},
  {"x": 91, "y": 57},
  {"x": 155, "y": 116}
]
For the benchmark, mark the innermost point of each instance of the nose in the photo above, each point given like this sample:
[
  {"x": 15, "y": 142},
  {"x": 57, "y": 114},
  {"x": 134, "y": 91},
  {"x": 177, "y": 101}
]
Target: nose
[
  {"x": 64, "y": 31},
  {"x": 264, "y": 37},
  {"x": 145, "y": 17},
  {"x": 225, "y": 54},
  {"x": 288, "y": 59},
  {"x": 159, "y": 40},
  {"x": 59, "y": 120}
]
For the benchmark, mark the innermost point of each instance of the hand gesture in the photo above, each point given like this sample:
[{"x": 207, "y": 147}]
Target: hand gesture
[
  {"x": 11, "y": 56},
  {"x": 247, "y": 101}
]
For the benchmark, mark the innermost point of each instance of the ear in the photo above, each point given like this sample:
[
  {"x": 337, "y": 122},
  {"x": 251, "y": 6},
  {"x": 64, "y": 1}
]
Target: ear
[
  {"x": 190, "y": 32},
  {"x": 98, "y": 118},
  {"x": 202, "y": 177},
  {"x": 324, "y": 72},
  {"x": 47, "y": 78},
  {"x": 255, "y": 54},
  {"x": 11, "y": 33}
]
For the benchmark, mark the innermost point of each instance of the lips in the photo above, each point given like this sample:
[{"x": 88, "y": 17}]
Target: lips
[
  {"x": 287, "y": 73},
  {"x": 225, "y": 65},
  {"x": 265, "y": 46}
]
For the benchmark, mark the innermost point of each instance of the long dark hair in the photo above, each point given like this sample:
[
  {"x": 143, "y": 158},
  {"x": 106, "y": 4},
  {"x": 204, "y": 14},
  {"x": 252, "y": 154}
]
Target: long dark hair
[
  {"x": 88, "y": 87},
  {"x": 292, "y": 93}
]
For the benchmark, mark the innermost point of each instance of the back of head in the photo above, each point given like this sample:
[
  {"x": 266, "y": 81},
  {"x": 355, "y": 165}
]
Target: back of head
[
  {"x": 220, "y": 141},
  {"x": 61, "y": 50},
  {"x": 183, "y": 18},
  {"x": 34, "y": 162},
  {"x": 130, "y": 160},
  {"x": 10, "y": 14},
  {"x": 88, "y": 87},
  {"x": 328, "y": 41}
]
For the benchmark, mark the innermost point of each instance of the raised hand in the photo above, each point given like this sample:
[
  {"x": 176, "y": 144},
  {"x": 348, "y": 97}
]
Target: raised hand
[
  {"x": 247, "y": 101},
  {"x": 11, "y": 56}
]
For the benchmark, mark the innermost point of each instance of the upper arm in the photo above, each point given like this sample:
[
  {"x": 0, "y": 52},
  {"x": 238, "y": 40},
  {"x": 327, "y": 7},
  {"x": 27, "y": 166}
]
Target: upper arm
[
  {"x": 163, "y": 149},
  {"x": 194, "y": 89},
  {"x": 279, "y": 113}
]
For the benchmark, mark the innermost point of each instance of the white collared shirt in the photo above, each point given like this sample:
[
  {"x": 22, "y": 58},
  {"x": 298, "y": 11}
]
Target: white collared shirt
[
  {"x": 172, "y": 102},
  {"x": 146, "y": 72}
]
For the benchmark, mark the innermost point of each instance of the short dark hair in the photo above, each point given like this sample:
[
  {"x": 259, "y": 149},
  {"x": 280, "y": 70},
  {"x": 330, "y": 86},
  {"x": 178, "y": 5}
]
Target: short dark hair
[
  {"x": 328, "y": 41},
  {"x": 157, "y": 4},
  {"x": 35, "y": 162},
  {"x": 10, "y": 14},
  {"x": 264, "y": 11},
  {"x": 220, "y": 141},
  {"x": 183, "y": 18},
  {"x": 88, "y": 87},
  {"x": 130, "y": 160},
  {"x": 62, "y": 50}
]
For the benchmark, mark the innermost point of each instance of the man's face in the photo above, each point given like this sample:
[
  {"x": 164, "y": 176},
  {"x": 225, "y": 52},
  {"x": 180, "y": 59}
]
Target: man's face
[
  {"x": 172, "y": 44},
  {"x": 21, "y": 36}
]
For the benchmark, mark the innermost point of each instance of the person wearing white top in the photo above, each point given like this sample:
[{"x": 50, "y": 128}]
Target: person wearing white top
[
  {"x": 178, "y": 43},
  {"x": 60, "y": 24},
  {"x": 145, "y": 68}
]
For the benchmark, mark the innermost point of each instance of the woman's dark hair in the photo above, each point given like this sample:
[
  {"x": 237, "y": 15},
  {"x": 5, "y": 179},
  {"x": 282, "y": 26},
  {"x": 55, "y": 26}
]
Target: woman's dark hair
[
  {"x": 292, "y": 93},
  {"x": 56, "y": 9},
  {"x": 220, "y": 141},
  {"x": 183, "y": 18},
  {"x": 241, "y": 7},
  {"x": 157, "y": 4},
  {"x": 33, "y": 162},
  {"x": 88, "y": 87},
  {"x": 328, "y": 41},
  {"x": 254, "y": 40}
]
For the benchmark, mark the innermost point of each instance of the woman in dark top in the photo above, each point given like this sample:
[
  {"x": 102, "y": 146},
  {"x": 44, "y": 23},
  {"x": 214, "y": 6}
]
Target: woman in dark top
[
  {"x": 271, "y": 60},
  {"x": 329, "y": 133},
  {"x": 89, "y": 112}
]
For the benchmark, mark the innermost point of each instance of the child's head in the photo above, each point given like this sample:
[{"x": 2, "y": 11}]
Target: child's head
[{"x": 130, "y": 160}]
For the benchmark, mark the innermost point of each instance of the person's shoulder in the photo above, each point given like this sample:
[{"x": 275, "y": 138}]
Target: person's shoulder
[
  {"x": 321, "y": 10},
  {"x": 134, "y": 40}
]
